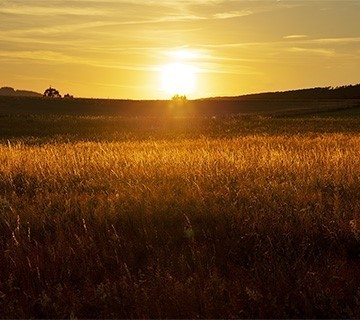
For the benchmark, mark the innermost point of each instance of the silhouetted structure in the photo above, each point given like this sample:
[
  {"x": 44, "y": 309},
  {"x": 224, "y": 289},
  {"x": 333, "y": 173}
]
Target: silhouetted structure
[{"x": 52, "y": 93}]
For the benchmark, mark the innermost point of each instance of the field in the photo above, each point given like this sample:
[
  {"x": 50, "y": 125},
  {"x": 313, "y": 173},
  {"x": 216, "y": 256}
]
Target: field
[{"x": 253, "y": 215}]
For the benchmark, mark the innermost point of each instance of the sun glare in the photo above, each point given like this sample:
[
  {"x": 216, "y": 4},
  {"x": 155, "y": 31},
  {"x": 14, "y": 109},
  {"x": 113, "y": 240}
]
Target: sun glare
[
  {"x": 178, "y": 78},
  {"x": 183, "y": 54}
]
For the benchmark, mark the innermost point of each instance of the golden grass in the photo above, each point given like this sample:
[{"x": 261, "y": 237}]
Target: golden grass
[
  {"x": 326, "y": 158},
  {"x": 253, "y": 226}
]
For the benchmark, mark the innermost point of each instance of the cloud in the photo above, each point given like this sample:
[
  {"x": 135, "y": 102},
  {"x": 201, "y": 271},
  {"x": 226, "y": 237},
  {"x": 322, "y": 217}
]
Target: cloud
[
  {"x": 319, "y": 51},
  {"x": 55, "y": 29},
  {"x": 169, "y": 18},
  {"x": 48, "y": 56},
  {"x": 51, "y": 57},
  {"x": 33, "y": 10},
  {"x": 232, "y": 14},
  {"x": 336, "y": 40},
  {"x": 296, "y": 36}
]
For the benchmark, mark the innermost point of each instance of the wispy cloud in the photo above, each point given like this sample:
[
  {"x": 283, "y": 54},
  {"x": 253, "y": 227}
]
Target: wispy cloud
[
  {"x": 51, "y": 57},
  {"x": 296, "y": 36},
  {"x": 232, "y": 14},
  {"x": 319, "y": 51},
  {"x": 337, "y": 40},
  {"x": 48, "y": 56},
  {"x": 33, "y": 10}
]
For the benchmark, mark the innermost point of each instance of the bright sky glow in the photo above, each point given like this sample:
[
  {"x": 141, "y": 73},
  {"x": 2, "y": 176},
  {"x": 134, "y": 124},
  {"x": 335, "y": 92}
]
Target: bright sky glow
[
  {"x": 115, "y": 48},
  {"x": 183, "y": 55},
  {"x": 178, "y": 78}
]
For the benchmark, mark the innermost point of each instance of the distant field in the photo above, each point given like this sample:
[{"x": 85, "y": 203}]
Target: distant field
[
  {"x": 177, "y": 216},
  {"x": 197, "y": 108}
]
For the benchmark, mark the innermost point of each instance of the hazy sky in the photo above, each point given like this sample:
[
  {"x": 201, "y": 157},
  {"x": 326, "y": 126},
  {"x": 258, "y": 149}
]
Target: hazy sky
[{"x": 118, "y": 48}]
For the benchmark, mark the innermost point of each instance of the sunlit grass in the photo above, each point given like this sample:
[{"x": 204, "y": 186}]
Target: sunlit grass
[{"x": 247, "y": 226}]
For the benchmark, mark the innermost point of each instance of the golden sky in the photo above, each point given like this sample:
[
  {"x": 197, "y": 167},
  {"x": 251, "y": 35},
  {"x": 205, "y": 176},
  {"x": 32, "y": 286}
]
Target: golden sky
[{"x": 135, "y": 49}]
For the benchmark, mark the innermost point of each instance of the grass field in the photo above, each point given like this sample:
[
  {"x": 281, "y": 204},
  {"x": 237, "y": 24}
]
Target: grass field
[{"x": 246, "y": 216}]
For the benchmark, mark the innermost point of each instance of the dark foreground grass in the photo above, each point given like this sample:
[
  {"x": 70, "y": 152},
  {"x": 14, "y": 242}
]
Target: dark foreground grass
[
  {"x": 44, "y": 129},
  {"x": 236, "y": 217}
]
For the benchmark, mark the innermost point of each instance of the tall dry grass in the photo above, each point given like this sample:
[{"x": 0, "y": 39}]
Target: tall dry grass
[{"x": 255, "y": 226}]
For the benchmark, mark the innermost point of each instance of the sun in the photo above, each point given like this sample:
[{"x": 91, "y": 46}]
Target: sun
[{"x": 178, "y": 78}]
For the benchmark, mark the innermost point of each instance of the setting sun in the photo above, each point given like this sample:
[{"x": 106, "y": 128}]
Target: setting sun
[{"x": 178, "y": 78}]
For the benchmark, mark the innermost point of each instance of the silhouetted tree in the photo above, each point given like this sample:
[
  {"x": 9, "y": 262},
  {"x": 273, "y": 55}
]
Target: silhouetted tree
[
  {"x": 179, "y": 99},
  {"x": 52, "y": 93}
]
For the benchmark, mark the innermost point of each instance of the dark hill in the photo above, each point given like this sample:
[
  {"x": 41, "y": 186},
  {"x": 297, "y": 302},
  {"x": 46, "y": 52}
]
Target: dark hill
[
  {"x": 8, "y": 91},
  {"x": 343, "y": 92}
]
